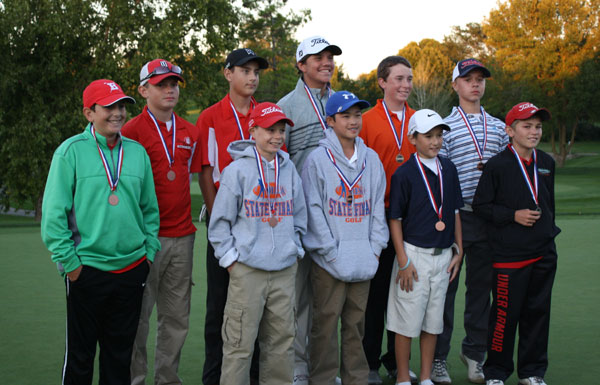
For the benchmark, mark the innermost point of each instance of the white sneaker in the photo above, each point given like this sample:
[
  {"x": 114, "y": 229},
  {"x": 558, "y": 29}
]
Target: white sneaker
[
  {"x": 413, "y": 377},
  {"x": 474, "y": 370},
  {"x": 338, "y": 381},
  {"x": 439, "y": 373},
  {"x": 427, "y": 382},
  {"x": 374, "y": 378},
  {"x": 494, "y": 382},
  {"x": 532, "y": 381},
  {"x": 300, "y": 379}
]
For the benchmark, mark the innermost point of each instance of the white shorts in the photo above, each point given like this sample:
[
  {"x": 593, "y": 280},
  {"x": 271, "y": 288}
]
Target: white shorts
[{"x": 422, "y": 309}]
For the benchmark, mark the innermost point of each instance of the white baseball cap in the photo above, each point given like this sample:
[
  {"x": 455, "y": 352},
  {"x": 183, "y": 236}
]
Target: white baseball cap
[
  {"x": 313, "y": 45},
  {"x": 424, "y": 121}
]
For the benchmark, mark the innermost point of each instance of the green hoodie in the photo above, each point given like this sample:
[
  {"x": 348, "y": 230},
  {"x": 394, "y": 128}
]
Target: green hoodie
[{"x": 79, "y": 226}]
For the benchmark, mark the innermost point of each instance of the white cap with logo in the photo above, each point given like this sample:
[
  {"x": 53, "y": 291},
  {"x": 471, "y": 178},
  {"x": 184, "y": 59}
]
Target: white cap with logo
[
  {"x": 313, "y": 45},
  {"x": 424, "y": 120}
]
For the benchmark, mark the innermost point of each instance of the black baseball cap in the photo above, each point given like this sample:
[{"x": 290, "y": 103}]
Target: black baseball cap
[{"x": 242, "y": 56}]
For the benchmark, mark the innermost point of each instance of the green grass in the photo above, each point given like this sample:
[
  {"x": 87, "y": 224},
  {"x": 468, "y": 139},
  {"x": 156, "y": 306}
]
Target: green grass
[{"x": 32, "y": 320}]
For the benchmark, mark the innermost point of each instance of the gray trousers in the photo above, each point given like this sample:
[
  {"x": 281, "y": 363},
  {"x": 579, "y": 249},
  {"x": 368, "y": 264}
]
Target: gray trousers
[
  {"x": 479, "y": 274},
  {"x": 169, "y": 286}
]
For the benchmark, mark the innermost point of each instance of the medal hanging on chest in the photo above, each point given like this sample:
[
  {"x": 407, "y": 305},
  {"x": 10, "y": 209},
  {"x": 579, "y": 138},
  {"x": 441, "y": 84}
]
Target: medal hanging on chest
[
  {"x": 237, "y": 119},
  {"x": 399, "y": 140},
  {"x": 439, "y": 225},
  {"x": 314, "y": 105},
  {"x": 533, "y": 187},
  {"x": 171, "y": 175},
  {"x": 347, "y": 186},
  {"x": 113, "y": 181},
  {"x": 273, "y": 221},
  {"x": 479, "y": 148}
]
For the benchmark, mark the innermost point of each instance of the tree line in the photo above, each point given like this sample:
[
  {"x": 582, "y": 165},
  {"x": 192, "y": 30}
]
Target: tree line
[{"x": 544, "y": 51}]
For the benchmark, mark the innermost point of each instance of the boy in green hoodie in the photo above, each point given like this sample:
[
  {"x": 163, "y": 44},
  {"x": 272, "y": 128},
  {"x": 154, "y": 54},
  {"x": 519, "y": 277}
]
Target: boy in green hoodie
[{"x": 100, "y": 222}]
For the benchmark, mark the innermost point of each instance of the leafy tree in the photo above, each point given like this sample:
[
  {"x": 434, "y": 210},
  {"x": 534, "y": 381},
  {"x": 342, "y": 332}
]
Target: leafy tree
[
  {"x": 269, "y": 33},
  {"x": 543, "y": 44},
  {"x": 432, "y": 69},
  {"x": 54, "y": 48}
]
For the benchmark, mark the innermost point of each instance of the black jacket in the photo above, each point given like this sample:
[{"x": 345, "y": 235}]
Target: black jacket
[{"x": 501, "y": 191}]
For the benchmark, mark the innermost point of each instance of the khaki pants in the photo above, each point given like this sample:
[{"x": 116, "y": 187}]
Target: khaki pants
[
  {"x": 334, "y": 299},
  {"x": 259, "y": 303},
  {"x": 169, "y": 286}
]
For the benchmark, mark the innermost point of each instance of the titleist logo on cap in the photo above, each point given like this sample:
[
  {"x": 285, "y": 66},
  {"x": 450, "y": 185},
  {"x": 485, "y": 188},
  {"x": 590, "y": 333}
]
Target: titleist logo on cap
[
  {"x": 318, "y": 41},
  {"x": 526, "y": 106},
  {"x": 270, "y": 110}
]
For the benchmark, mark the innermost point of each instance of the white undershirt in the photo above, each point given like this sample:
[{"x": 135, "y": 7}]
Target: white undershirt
[
  {"x": 354, "y": 158},
  {"x": 169, "y": 124},
  {"x": 430, "y": 164}
]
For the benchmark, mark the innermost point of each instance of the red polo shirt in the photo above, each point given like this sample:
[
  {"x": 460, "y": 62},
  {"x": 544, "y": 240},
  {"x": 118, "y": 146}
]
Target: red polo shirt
[
  {"x": 174, "y": 201},
  {"x": 217, "y": 128},
  {"x": 377, "y": 134}
]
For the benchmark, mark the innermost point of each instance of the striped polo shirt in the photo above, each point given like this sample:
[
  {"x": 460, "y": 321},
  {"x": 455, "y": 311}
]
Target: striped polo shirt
[{"x": 458, "y": 146}]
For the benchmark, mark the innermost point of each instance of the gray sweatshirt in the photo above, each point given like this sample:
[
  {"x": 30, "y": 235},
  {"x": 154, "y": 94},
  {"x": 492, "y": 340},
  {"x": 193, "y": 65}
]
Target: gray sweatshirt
[
  {"x": 304, "y": 137},
  {"x": 345, "y": 239},
  {"x": 239, "y": 229}
]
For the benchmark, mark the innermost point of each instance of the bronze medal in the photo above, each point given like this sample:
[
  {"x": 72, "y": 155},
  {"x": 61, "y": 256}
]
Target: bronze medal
[
  {"x": 399, "y": 158},
  {"x": 480, "y": 166},
  {"x": 273, "y": 221},
  {"x": 349, "y": 198},
  {"x": 538, "y": 209},
  {"x": 113, "y": 200},
  {"x": 440, "y": 226},
  {"x": 171, "y": 175}
]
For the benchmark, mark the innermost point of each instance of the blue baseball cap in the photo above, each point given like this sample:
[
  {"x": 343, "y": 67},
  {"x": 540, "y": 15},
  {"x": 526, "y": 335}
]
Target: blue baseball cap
[{"x": 341, "y": 101}]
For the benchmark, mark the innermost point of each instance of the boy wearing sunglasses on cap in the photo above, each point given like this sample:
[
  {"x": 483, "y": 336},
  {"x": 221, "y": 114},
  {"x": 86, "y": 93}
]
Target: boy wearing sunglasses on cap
[
  {"x": 100, "y": 220},
  {"x": 515, "y": 196},
  {"x": 257, "y": 219},
  {"x": 170, "y": 142}
]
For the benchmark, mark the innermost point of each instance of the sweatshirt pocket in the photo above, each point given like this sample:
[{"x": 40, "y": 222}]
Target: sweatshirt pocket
[{"x": 355, "y": 260}]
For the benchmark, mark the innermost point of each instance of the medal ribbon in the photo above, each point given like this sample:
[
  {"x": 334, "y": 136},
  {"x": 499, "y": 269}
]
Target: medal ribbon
[
  {"x": 389, "y": 118},
  {"x": 533, "y": 187},
  {"x": 314, "y": 104},
  {"x": 349, "y": 186},
  {"x": 170, "y": 158},
  {"x": 437, "y": 210},
  {"x": 480, "y": 149},
  {"x": 263, "y": 181},
  {"x": 113, "y": 181},
  {"x": 237, "y": 120}
]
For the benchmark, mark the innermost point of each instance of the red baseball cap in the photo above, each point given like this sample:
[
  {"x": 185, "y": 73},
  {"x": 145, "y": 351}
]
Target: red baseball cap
[
  {"x": 267, "y": 114},
  {"x": 104, "y": 92},
  {"x": 526, "y": 110},
  {"x": 158, "y": 69}
]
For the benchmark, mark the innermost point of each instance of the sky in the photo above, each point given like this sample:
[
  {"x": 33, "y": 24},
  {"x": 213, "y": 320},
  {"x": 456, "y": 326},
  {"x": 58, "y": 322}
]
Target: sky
[{"x": 368, "y": 31}]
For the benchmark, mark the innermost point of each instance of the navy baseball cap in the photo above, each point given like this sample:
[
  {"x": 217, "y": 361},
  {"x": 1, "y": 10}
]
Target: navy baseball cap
[
  {"x": 341, "y": 101},
  {"x": 241, "y": 56},
  {"x": 465, "y": 66}
]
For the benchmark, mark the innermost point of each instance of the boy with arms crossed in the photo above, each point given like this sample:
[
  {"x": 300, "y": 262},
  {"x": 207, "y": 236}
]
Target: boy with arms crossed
[
  {"x": 100, "y": 221},
  {"x": 425, "y": 228},
  {"x": 169, "y": 141},
  {"x": 515, "y": 197},
  {"x": 219, "y": 125},
  {"x": 258, "y": 217},
  {"x": 305, "y": 105},
  {"x": 474, "y": 137},
  {"x": 385, "y": 128},
  {"x": 344, "y": 186}
]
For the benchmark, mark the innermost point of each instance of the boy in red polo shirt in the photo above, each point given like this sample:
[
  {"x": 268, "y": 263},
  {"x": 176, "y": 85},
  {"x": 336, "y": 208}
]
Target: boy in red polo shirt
[
  {"x": 385, "y": 129},
  {"x": 170, "y": 142},
  {"x": 220, "y": 124}
]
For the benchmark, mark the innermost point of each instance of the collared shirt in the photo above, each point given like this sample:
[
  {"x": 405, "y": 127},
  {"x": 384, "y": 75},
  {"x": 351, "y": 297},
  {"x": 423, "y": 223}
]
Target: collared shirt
[
  {"x": 174, "y": 201},
  {"x": 458, "y": 146},
  {"x": 409, "y": 200}
]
